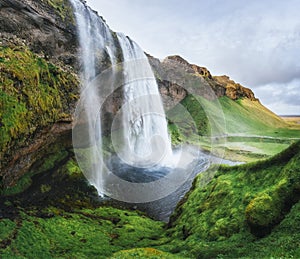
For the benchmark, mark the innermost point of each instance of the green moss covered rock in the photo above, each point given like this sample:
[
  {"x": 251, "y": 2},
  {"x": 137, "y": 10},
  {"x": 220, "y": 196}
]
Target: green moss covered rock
[
  {"x": 236, "y": 204},
  {"x": 150, "y": 253},
  {"x": 33, "y": 94}
]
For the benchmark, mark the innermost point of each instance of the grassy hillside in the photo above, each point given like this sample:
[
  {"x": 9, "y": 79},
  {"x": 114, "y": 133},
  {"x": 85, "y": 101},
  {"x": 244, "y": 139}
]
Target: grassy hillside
[
  {"x": 251, "y": 117},
  {"x": 249, "y": 211},
  {"x": 245, "y": 129},
  {"x": 243, "y": 116}
]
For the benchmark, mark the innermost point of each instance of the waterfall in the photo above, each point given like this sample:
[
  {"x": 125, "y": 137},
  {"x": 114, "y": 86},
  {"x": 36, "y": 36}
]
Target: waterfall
[
  {"x": 143, "y": 140},
  {"x": 146, "y": 139},
  {"x": 95, "y": 40}
]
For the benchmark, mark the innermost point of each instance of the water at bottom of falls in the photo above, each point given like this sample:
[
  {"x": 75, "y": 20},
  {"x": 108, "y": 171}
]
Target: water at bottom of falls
[
  {"x": 163, "y": 208},
  {"x": 160, "y": 209}
]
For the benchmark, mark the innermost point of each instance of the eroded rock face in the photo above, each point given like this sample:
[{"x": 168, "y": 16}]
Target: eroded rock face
[
  {"x": 40, "y": 26},
  {"x": 172, "y": 93},
  {"x": 190, "y": 78},
  {"x": 202, "y": 71},
  {"x": 39, "y": 147},
  {"x": 234, "y": 90},
  {"x": 177, "y": 78}
]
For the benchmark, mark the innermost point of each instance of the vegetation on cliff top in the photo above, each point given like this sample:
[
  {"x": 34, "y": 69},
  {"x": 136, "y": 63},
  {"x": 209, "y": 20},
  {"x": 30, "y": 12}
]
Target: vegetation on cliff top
[{"x": 63, "y": 9}]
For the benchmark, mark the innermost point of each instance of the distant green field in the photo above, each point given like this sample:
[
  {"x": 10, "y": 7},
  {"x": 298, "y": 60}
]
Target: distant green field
[{"x": 245, "y": 129}]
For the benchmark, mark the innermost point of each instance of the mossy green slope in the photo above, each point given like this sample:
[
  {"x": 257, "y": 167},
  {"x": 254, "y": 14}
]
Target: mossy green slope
[
  {"x": 148, "y": 252},
  {"x": 33, "y": 93},
  {"x": 187, "y": 121},
  {"x": 247, "y": 211},
  {"x": 250, "y": 117},
  {"x": 243, "y": 116},
  {"x": 59, "y": 215},
  {"x": 94, "y": 233},
  {"x": 239, "y": 207}
]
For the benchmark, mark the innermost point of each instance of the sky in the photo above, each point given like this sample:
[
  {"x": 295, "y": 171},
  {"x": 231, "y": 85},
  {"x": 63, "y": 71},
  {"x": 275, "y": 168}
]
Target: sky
[{"x": 256, "y": 43}]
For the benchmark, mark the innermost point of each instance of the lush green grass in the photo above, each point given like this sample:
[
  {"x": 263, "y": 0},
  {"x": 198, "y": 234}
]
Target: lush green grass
[
  {"x": 187, "y": 121},
  {"x": 269, "y": 149},
  {"x": 7, "y": 226},
  {"x": 248, "y": 117},
  {"x": 227, "y": 213},
  {"x": 247, "y": 211},
  {"x": 251, "y": 149},
  {"x": 150, "y": 253}
]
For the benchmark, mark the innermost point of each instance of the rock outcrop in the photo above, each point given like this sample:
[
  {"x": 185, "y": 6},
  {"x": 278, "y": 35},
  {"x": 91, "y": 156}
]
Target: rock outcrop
[
  {"x": 177, "y": 77},
  {"x": 234, "y": 90},
  {"x": 39, "y": 147},
  {"x": 190, "y": 68},
  {"x": 45, "y": 27}
]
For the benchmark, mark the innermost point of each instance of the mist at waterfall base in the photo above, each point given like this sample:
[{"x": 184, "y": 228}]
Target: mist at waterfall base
[{"x": 140, "y": 168}]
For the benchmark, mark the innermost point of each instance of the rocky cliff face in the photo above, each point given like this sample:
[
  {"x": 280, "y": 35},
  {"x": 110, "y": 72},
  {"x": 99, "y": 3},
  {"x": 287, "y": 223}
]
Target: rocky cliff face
[
  {"x": 38, "y": 83},
  {"x": 46, "y": 27},
  {"x": 181, "y": 74},
  {"x": 234, "y": 90}
]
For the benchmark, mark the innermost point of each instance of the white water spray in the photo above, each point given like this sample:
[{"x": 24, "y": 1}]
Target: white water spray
[{"x": 146, "y": 139}]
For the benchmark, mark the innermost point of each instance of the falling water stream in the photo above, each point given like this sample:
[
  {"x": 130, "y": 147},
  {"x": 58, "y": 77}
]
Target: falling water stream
[
  {"x": 146, "y": 138},
  {"x": 95, "y": 40}
]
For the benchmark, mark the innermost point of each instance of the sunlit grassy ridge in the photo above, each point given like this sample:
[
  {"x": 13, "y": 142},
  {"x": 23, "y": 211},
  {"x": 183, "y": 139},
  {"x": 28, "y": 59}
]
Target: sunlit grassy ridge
[
  {"x": 250, "y": 117},
  {"x": 243, "y": 116},
  {"x": 244, "y": 129}
]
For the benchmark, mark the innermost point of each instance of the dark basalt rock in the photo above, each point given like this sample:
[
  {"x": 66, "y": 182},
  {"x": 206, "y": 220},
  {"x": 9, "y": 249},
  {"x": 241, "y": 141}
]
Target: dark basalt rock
[
  {"x": 42, "y": 28},
  {"x": 39, "y": 147}
]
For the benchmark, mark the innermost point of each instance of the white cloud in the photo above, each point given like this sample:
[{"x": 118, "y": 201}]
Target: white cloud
[
  {"x": 254, "y": 42},
  {"x": 282, "y": 98}
]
